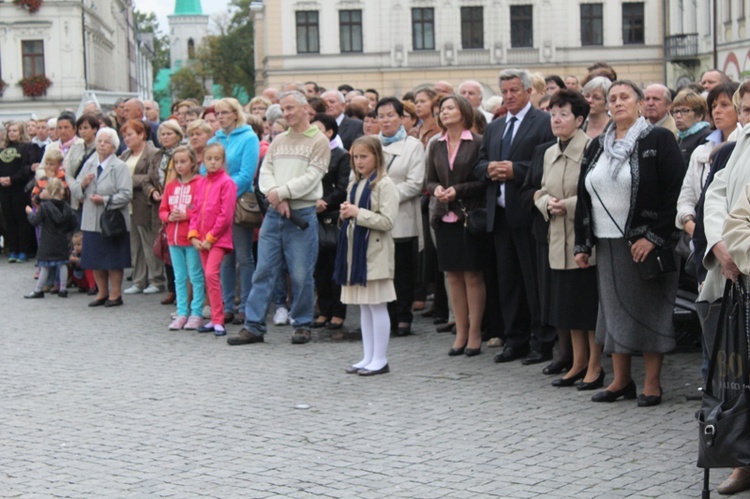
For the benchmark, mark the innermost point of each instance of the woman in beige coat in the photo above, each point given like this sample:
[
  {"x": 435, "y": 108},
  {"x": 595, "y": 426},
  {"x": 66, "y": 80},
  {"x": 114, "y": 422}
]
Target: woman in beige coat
[{"x": 573, "y": 291}]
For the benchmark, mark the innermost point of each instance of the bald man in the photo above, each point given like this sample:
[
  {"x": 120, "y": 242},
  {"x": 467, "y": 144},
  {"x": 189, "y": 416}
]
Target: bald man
[
  {"x": 135, "y": 110},
  {"x": 271, "y": 94},
  {"x": 657, "y": 102},
  {"x": 444, "y": 87},
  {"x": 474, "y": 93},
  {"x": 713, "y": 78}
]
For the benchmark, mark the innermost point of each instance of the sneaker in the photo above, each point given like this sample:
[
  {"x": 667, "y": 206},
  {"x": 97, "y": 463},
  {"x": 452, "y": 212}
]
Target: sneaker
[
  {"x": 301, "y": 336},
  {"x": 193, "y": 322},
  {"x": 178, "y": 323},
  {"x": 281, "y": 317},
  {"x": 151, "y": 290},
  {"x": 22, "y": 258},
  {"x": 13, "y": 258},
  {"x": 245, "y": 337},
  {"x": 133, "y": 290},
  {"x": 219, "y": 330}
]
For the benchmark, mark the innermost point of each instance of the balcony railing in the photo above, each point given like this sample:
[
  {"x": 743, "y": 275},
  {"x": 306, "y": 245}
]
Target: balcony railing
[
  {"x": 473, "y": 57},
  {"x": 681, "y": 47},
  {"x": 522, "y": 56},
  {"x": 424, "y": 58}
]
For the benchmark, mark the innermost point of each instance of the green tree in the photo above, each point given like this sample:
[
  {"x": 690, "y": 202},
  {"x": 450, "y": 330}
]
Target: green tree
[
  {"x": 148, "y": 23},
  {"x": 228, "y": 56},
  {"x": 185, "y": 83}
]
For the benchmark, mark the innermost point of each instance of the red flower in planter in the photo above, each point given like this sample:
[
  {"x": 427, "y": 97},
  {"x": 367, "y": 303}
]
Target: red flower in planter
[
  {"x": 35, "y": 86},
  {"x": 30, "y": 5}
]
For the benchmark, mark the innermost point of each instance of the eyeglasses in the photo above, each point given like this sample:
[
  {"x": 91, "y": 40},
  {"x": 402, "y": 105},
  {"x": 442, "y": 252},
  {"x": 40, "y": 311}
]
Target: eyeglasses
[{"x": 684, "y": 111}]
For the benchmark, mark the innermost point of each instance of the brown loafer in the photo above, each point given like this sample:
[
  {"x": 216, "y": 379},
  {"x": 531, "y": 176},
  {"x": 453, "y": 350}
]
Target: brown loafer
[
  {"x": 738, "y": 481},
  {"x": 169, "y": 299}
]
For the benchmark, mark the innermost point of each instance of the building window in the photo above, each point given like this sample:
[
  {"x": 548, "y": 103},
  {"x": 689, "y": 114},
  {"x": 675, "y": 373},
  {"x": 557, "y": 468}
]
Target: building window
[
  {"x": 521, "y": 26},
  {"x": 307, "y": 32},
  {"x": 728, "y": 11},
  {"x": 32, "y": 52},
  {"x": 423, "y": 28},
  {"x": 741, "y": 11},
  {"x": 591, "y": 24},
  {"x": 472, "y": 28},
  {"x": 350, "y": 30},
  {"x": 191, "y": 49},
  {"x": 632, "y": 23}
]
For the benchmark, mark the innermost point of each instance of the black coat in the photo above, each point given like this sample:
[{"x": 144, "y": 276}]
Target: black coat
[
  {"x": 336, "y": 180},
  {"x": 349, "y": 130},
  {"x": 657, "y": 170},
  {"x": 14, "y": 163},
  {"x": 57, "y": 220},
  {"x": 534, "y": 130},
  {"x": 689, "y": 143}
]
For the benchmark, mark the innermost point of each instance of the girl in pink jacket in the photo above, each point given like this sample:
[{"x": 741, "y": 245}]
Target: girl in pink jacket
[
  {"x": 211, "y": 229},
  {"x": 178, "y": 205}
]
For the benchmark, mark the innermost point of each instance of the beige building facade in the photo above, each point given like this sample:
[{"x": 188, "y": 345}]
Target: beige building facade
[{"x": 396, "y": 45}]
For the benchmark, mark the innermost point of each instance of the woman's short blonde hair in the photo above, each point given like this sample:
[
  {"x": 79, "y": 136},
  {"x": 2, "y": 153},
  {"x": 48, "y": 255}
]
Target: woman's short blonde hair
[
  {"x": 688, "y": 98},
  {"x": 172, "y": 125},
  {"x": 259, "y": 99},
  {"x": 231, "y": 104},
  {"x": 200, "y": 125},
  {"x": 538, "y": 83}
]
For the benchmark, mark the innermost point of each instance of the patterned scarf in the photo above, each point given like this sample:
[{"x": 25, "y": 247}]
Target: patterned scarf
[
  {"x": 618, "y": 151},
  {"x": 400, "y": 135},
  {"x": 695, "y": 128},
  {"x": 361, "y": 238},
  {"x": 166, "y": 159}
]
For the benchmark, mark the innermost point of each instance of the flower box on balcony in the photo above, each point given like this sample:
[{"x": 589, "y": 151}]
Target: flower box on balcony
[
  {"x": 30, "y": 5},
  {"x": 35, "y": 86}
]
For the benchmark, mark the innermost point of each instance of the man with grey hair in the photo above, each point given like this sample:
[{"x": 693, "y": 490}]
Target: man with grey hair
[
  {"x": 152, "y": 109},
  {"x": 504, "y": 159},
  {"x": 91, "y": 107},
  {"x": 349, "y": 128},
  {"x": 291, "y": 180},
  {"x": 657, "y": 102},
  {"x": 473, "y": 91}
]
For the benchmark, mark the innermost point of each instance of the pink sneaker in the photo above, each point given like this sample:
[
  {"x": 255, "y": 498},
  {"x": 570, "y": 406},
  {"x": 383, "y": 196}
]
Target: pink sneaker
[
  {"x": 194, "y": 322},
  {"x": 178, "y": 323}
]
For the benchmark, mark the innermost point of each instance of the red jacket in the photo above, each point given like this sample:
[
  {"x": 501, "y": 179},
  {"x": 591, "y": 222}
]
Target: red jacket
[
  {"x": 215, "y": 200},
  {"x": 179, "y": 197}
]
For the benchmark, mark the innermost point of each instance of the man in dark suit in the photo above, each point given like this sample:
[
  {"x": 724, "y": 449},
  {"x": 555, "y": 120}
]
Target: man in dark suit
[
  {"x": 504, "y": 160},
  {"x": 349, "y": 128}
]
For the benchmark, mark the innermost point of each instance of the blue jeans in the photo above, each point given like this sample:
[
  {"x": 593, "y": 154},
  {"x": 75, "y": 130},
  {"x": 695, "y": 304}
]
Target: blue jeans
[
  {"x": 242, "y": 256},
  {"x": 279, "y": 292},
  {"x": 281, "y": 241},
  {"x": 186, "y": 262}
]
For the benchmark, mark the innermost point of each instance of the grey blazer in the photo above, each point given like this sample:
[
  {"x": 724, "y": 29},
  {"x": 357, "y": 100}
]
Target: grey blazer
[{"x": 115, "y": 182}]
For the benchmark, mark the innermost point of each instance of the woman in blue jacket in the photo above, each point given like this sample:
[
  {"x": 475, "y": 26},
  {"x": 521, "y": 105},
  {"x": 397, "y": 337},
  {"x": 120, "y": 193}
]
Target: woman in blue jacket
[{"x": 242, "y": 150}]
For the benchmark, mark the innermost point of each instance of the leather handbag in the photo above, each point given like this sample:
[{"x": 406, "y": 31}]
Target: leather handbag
[
  {"x": 247, "y": 212},
  {"x": 161, "y": 246},
  {"x": 112, "y": 222},
  {"x": 328, "y": 230},
  {"x": 475, "y": 221}
]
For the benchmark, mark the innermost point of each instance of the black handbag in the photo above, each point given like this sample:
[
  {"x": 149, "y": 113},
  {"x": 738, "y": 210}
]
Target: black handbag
[
  {"x": 660, "y": 261},
  {"x": 112, "y": 222},
  {"x": 475, "y": 221},
  {"x": 328, "y": 230},
  {"x": 724, "y": 416}
]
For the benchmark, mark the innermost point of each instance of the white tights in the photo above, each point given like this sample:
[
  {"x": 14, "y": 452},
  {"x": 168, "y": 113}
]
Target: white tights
[{"x": 376, "y": 331}]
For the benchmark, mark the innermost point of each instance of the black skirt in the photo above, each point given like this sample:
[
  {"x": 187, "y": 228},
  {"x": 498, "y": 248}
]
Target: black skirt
[
  {"x": 458, "y": 250},
  {"x": 105, "y": 253},
  {"x": 574, "y": 299}
]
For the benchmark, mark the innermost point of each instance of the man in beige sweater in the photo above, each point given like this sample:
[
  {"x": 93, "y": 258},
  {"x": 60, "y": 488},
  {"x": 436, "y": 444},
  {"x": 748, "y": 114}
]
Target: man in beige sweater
[{"x": 290, "y": 177}]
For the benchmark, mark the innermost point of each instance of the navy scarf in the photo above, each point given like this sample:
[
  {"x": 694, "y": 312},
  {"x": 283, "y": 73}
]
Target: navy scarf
[{"x": 361, "y": 237}]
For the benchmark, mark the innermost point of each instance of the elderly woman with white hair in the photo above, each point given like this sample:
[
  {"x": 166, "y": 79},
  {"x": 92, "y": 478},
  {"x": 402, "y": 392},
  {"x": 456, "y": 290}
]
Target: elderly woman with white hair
[
  {"x": 595, "y": 92},
  {"x": 104, "y": 183}
]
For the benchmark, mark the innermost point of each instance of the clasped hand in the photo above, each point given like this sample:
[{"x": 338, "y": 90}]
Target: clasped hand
[
  {"x": 500, "y": 171},
  {"x": 445, "y": 195},
  {"x": 556, "y": 207},
  {"x": 348, "y": 210}
]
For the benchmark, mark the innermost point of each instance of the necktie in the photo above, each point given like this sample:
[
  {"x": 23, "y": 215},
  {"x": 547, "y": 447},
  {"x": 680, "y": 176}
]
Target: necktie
[
  {"x": 99, "y": 168},
  {"x": 508, "y": 139}
]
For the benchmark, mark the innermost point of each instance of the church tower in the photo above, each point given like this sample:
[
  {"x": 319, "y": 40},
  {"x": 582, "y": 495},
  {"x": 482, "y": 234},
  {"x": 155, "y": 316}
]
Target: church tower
[{"x": 187, "y": 27}]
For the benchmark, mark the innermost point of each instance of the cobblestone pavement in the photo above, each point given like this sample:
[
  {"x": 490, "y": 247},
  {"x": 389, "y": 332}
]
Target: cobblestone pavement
[{"x": 108, "y": 403}]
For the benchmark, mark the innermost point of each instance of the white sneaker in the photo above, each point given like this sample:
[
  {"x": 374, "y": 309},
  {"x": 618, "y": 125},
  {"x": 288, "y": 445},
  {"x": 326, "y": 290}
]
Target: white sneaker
[
  {"x": 133, "y": 290},
  {"x": 281, "y": 317},
  {"x": 151, "y": 290}
]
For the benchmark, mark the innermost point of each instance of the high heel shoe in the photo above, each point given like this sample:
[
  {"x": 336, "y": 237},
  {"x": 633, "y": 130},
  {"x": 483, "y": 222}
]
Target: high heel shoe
[
  {"x": 557, "y": 366},
  {"x": 592, "y": 385},
  {"x": 453, "y": 352},
  {"x": 606, "y": 396},
  {"x": 473, "y": 352},
  {"x": 560, "y": 382}
]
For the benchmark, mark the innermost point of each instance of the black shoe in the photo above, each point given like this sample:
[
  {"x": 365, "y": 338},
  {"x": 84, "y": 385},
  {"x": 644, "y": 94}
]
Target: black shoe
[
  {"x": 63, "y": 293},
  {"x": 113, "y": 303},
  {"x": 366, "y": 372},
  {"x": 352, "y": 370},
  {"x": 597, "y": 383},
  {"x": 650, "y": 400},
  {"x": 319, "y": 324},
  {"x": 439, "y": 320},
  {"x": 473, "y": 352},
  {"x": 557, "y": 367},
  {"x": 335, "y": 325},
  {"x": 446, "y": 328},
  {"x": 34, "y": 294},
  {"x": 245, "y": 337},
  {"x": 98, "y": 303},
  {"x": 453, "y": 352},
  {"x": 606, "y": 396},
  {"x": 510, "y": 354},
  {"x": 536, "y": 357},
  {"x": 301, "y": 336},
  {"x": 402, "y": 331},
  {"x": 560, "y": 382}
]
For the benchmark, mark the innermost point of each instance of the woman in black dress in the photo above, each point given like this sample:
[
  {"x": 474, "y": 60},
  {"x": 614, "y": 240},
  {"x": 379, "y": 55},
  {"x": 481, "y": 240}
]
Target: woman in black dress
[
  {"x": 15, "y": 173},
  {"x": 450, "y": 180}
]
